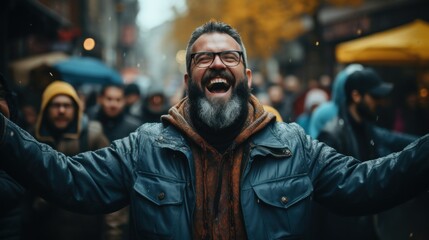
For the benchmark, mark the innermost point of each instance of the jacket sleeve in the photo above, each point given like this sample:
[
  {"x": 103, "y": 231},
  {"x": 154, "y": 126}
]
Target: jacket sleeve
[
  {"x": 11, "y": 193},
  {"x": 348, "y": 186},
  {"x": 90, "y": 182}
]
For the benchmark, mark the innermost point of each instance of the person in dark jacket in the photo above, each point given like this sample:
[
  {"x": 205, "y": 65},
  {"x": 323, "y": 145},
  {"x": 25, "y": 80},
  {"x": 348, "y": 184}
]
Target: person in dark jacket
[
  {"x": 354, "y": 132},
  {"x": 218, "y": 166},
  {"x": 133, "y": 100},
  {"x": 155, "y": 104},
  {"x": 117, "y": 124},
  {"x": 110, "y": 112},
  {"x": 12, "y": 194}
]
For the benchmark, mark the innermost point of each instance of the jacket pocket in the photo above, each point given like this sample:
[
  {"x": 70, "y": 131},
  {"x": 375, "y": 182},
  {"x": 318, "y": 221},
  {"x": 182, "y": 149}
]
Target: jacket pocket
[
  {"x": 283, "y": 206},
  {"x": 284, "y": 192},
  {"x": 157, "y": 205}
]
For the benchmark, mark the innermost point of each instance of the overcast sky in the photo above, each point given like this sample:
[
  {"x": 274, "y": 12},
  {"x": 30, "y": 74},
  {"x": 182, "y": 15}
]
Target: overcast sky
[{"x": 155, "y": 12}]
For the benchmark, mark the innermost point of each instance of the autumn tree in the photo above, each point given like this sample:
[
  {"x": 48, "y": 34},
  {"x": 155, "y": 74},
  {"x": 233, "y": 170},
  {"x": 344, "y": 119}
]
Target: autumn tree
[{"x": 263, "y": 24}]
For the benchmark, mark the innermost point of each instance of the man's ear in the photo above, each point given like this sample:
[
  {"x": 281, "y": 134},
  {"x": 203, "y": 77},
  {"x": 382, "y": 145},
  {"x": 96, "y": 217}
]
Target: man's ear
[
  {"x": 185, "y": 80},
  {"x": 356, "y": 96},
  {"x": 249, "y": 77}
]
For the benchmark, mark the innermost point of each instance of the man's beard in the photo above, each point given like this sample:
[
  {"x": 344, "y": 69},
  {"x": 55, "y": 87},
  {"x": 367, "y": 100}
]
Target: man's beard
[
  {"x": 366, "y": 113},
  {"x": 217, "y": 115}
]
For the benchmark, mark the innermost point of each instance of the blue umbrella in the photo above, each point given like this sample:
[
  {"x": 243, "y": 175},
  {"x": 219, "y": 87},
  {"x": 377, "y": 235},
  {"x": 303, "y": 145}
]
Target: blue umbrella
[{"x": 81, "y": 70}]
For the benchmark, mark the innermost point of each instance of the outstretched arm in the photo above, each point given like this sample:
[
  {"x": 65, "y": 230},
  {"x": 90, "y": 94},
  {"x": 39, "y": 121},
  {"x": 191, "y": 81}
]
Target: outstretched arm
[
  {"x": 351, "y": 187},
  {"x": 90, "y": 182}
]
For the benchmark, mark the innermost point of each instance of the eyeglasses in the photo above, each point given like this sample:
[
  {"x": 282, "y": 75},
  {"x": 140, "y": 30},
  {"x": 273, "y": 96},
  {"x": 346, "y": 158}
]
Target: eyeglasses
[
  {"x": 66, "y": 106},
  {"x": 205, "y": 59}
]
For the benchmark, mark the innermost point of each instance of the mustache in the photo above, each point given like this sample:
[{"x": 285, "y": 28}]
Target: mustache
[
  {"x": 213, "y": 73},
  {"x": 61, "y": 117}
]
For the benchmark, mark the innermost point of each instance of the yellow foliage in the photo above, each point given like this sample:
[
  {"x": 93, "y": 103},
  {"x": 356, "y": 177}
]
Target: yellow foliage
[{"x": 263, "y": 25}]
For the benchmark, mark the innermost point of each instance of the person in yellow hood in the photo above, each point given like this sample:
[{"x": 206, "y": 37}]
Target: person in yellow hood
[
  {"x": 62, "y": 124},
  {"x": 61, "y": 121}
]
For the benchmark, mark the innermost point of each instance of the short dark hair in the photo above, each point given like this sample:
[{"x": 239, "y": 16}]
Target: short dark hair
[
  {"x": 109, "y": 85},
  {"x": 213, "y": 27}
]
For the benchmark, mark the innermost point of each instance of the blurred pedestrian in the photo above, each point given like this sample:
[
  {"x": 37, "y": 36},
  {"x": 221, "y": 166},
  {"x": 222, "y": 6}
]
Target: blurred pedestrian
[
  {"x": 409, "y": 114},
  {"x": 133, "y": 100},
  {"x": 313, "y": 99},
  {"x": 62, "y": 125},
  {"x": 12, "y": 194},
  {"x": 110, "y": 112},
  {"x": 328, "y": 110},
  {"x": 299, "y": 100},
  {"x": 353, "y": 132},
  {"x": 155, "y": 104},
  {"x": 117, "y": 124},
  {"x": 279, "y": 101}
]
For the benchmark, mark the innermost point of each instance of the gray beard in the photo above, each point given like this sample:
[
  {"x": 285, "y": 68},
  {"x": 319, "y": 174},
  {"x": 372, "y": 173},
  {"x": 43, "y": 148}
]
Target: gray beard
[{"x": 217, "y": 114}]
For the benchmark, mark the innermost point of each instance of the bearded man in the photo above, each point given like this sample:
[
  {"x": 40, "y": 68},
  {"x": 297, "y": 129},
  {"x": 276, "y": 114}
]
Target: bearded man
[
  {"x": 354, "y": 131},
  {"x": 218, "y": 166}
]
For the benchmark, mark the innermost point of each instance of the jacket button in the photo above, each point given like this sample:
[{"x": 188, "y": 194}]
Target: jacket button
[
  {"x": 284, "y": 200},
  {"x": 161, "y": 196}
]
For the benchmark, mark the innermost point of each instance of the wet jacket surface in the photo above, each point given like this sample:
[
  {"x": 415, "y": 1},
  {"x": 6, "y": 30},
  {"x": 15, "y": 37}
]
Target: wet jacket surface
[
  {"x": 341, "y": 135},
  {"x": 153, "y": 170}
]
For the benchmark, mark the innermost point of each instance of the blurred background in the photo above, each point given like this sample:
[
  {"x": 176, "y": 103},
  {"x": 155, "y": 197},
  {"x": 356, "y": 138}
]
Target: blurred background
[{"x": 299, "y": 43}]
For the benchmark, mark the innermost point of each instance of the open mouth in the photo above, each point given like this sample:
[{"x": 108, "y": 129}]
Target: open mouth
[{"x": 218, "y": 86}]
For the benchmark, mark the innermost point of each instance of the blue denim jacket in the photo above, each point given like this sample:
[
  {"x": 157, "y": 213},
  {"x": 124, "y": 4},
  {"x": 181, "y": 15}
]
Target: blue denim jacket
[{"x": 152, "y": 170}]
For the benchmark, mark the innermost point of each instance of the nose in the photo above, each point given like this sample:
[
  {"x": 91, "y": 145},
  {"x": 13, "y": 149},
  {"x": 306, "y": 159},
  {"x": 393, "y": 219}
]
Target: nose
[
  {"x": 62, "y": 108},
  {"x": 217, "y": 62}
]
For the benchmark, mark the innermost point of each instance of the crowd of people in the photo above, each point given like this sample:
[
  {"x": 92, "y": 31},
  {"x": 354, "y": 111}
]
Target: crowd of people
[{"x": 227, "y": 161}]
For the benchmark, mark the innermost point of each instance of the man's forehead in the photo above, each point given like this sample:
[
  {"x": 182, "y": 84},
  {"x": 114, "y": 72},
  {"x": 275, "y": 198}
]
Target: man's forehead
[
  {"x": 215, "y": 42},
  {"x": 62, "y": 98}
]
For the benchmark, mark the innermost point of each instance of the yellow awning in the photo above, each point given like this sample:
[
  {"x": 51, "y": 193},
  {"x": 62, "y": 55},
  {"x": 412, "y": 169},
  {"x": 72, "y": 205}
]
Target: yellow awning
[{"x": 403, "y": 45}]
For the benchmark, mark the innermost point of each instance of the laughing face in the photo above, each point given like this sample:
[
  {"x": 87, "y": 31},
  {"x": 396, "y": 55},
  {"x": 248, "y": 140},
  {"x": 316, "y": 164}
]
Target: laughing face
[
  {"x": 217, "y": 80},
  {"x": 218, "y": 93}
]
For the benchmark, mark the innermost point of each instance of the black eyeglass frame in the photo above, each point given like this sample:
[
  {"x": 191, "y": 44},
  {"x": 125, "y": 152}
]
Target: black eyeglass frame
[{"x": 214, "y": 54}]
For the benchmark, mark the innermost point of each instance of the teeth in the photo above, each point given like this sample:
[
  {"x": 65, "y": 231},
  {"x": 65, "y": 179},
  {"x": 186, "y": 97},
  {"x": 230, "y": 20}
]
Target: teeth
[{"x": 217, "y": 80}]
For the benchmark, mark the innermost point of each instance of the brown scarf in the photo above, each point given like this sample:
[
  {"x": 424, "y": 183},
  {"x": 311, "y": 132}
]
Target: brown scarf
[{"x": 218, "y": 213}]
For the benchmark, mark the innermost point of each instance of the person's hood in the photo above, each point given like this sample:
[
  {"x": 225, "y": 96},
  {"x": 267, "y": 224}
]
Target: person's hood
[
  {"x": 314, "y": 97},
  {"x": 338, "y": 90},
  {"x": 52, "y": 90},
  {"x": 257, "y": 118}
]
